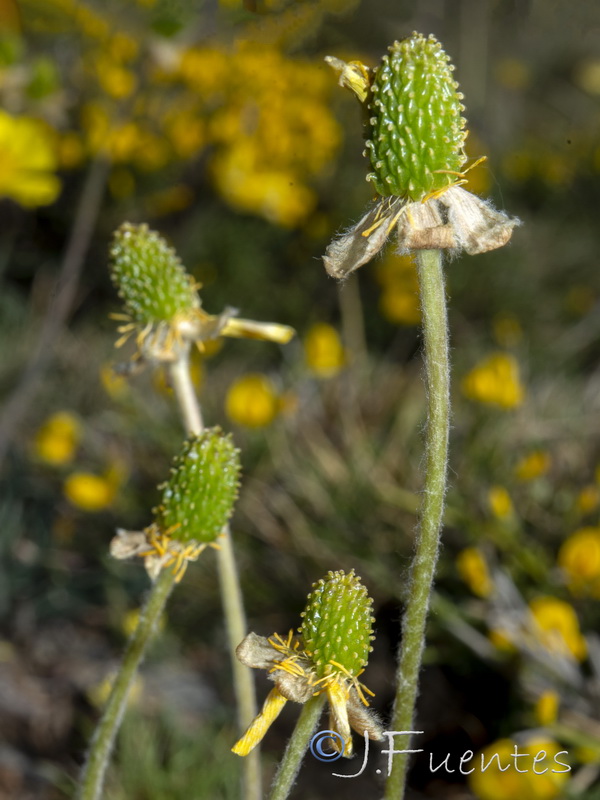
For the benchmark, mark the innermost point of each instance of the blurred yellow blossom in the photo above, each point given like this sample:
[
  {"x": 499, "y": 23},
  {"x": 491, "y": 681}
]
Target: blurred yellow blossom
[
  {"x": 473, "y": 569},
  {"x": 70, "y": 150},
  {"x": 502, "y": 639},
  {"x": 323, "y": 350},
  {"x": 495, "y": 381},
  {"x": 546, "y": 708},
  {"x": 579, "y": 558},
  {"x": 252, "y": 401},
  {"x": 114, "y": 79},
  {"x": 115, "y": 385},
  {"x": 58, "y": 438},
  {"x": 588, "y": 499},
  {"x": 538, "y": 774},
  {"x": 250, "y": 187},
  {"x": 399, "y": 299},
  {"x": 90, "y": 492},
  {"x": 587, "y": 75},
  {"x": 557, "y": 627},
  {"x": 587, "y": 755},
  {"x": 500, "y": 503},
  {"x": 269, "y": 120},
  {"x": 28, "y": 161},
  {"x": 532, "y": 466}
]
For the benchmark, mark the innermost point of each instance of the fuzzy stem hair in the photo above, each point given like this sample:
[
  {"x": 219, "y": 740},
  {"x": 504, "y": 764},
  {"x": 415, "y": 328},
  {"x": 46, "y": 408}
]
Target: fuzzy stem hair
[{"x": 437, "y": 372}]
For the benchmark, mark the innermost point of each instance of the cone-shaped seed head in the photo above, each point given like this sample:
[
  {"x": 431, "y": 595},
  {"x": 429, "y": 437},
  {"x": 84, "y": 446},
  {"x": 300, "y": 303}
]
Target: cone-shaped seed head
[
  {"x": 149, "y": 276},
  {"x": 337, "y": 624},
  {"x": 199, "y": 496},
  {"x": 416, "y": 131}
]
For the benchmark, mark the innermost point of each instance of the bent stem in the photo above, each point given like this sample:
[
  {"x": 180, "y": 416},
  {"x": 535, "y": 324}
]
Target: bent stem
[
  {"x": 297, "y": 747},
  {"x": 435, "y": 338},
  {"x": 92, "y": 778},
  {"x": 231, "y": 593}
]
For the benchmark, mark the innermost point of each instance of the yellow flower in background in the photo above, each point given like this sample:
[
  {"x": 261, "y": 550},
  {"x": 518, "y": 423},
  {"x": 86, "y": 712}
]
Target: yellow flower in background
[
  {"x": 579, "y": 558},
  {"x": 270, "y": 124},
  {"x": 546, "y": 708},
  {"x": 252, "y": 401},
  {"x": 588, "y": 499},
  {"x": 536, "y": 778},
  {"x": 473, "y": 569},
  {"x": 495, "y": 381},
  {"x": 28, "y": 161},
  {"x": 58, "y": 438},
  {"x": 557, "y": 627},
  {"x": 500, "y": 503},
  {"x": 532, "y": 466},
  {"x": 399, "y": 299},
  {"x": 502, "y": 639},
  {"x": 90, "y": 492},
  {"x": 277, "y": 196},
  {"x": 323, "y": 350},
  {"x": 115, "y": 385},
  {"x": 114, "y": 79}
]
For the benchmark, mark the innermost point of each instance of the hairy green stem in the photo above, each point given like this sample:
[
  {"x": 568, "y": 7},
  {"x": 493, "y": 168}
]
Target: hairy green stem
[
  {"x": 435, "y": 338},
  {"x": 297, "y": 747},
  {"x": 231, "y": 593},
  {"x": 92, "y": 778},
  {"x": 181, "y": 381}
]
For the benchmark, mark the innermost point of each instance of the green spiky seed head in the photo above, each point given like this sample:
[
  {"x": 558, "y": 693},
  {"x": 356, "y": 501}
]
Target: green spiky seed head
[
  {"x": 416, "y": 131},
  {"x": 149, "y": 276},
  {"x": 198, "y": 498},
  {"x": 337, "y": 624}
]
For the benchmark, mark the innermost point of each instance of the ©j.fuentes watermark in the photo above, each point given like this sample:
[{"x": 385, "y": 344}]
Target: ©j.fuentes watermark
[{"x": 461, "y": 762}]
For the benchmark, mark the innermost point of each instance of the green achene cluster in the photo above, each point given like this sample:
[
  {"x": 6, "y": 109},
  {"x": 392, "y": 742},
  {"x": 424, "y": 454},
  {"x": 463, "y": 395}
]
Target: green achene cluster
[
  {"x": 416, "y": 131},
  {"x": 337, "y": 624},
  {"x": 149, "y": 276},
  {"x": 198, "y": 498}
]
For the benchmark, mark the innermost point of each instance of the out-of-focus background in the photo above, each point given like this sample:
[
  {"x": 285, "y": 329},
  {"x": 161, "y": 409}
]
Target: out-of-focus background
[{"x": 220, "y": 125}]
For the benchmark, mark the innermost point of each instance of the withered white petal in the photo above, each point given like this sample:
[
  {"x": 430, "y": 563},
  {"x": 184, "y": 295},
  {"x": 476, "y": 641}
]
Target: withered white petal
[
  {"x": 127, "y": 544},
  {"x": 363, "y": 719},
  {"x": 421, "y": 227},
  {"x": 255, "y": 651},
  {"x": 477, "y": 225},
  {"x": 361, "y": 243}
]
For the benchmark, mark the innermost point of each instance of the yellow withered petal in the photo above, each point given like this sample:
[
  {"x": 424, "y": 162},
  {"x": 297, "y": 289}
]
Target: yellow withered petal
[
  {"x": 260, "y": 725},
  {"x": 263, "y": 331},
  {"x": 337, "y": 695}
]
